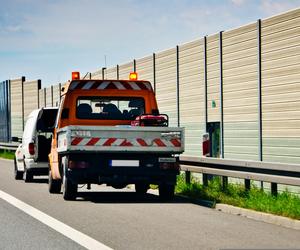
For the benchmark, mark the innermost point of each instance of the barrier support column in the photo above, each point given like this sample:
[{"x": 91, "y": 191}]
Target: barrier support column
[
  {"x": 274, "y": 188},
  {"x": 188, "y": 177},
  {"x": 247, "y": 184},
  {"x": 224, "y": 178},
  {"x": 205, "y": 176}
]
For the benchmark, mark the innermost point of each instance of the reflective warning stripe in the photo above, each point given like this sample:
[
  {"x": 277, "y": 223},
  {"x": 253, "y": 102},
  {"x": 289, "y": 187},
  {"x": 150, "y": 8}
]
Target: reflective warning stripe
[
  {"x": 102, "y": 85},
  {"x": 76, "y": 141},
  {"x": 137, "y": 142}
]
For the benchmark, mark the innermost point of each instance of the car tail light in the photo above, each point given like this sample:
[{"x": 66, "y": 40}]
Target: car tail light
[
  {"x": 78, "y": 164},
  {"x": 206, "y": 145},
  {"x": 31, "y": 148}
]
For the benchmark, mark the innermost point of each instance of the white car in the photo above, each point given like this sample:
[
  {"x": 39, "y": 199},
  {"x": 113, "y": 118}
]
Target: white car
[{"x": 31, "y": 157}]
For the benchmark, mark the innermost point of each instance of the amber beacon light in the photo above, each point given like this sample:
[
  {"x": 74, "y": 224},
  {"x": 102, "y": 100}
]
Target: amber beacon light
[
  {"x": 75, "y": 75},
  {"x": 133, "y": 76}
]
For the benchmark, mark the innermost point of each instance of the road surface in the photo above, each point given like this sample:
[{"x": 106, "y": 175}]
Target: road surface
[{"x": 123, "y": 220}]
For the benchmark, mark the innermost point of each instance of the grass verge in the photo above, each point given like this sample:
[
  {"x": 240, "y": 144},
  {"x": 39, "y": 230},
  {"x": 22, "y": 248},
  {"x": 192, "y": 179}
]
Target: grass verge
[
  {"x": 284, "y": 204},
  {"x": 7, "y": 154}
]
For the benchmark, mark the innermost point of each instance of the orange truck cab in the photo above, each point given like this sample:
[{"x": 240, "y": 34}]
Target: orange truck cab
[{"x": 110, "y": 132}]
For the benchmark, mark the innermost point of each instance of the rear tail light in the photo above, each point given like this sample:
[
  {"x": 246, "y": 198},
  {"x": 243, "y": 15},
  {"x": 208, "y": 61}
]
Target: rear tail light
[
  {"x": 78, "y": 164},
  {"x": 169, "y": 165},
  {"x": 31, "y": 148},
  {"x": 206, "y": 145}
]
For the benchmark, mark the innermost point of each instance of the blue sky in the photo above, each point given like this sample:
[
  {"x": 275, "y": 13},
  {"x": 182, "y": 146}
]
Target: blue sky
[{"x": 47, "y": 39}]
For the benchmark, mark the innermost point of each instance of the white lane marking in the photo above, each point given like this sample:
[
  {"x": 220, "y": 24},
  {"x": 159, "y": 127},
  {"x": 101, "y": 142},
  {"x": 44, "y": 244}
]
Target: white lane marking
[{"x": 80, "y": 238}]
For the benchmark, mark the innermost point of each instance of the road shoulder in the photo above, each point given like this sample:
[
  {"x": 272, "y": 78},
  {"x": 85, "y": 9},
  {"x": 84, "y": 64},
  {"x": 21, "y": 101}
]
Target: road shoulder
[{"x": 259, "y": 216}]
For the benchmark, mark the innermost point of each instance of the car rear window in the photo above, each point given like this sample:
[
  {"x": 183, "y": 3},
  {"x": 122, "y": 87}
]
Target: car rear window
[
  {"x": 109, "y": 108},
  {"x": 46, "y": 120}
]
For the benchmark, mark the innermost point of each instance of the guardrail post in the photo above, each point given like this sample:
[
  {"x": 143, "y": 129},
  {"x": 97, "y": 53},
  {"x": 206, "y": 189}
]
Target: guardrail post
[
  {"x": 205, "y": 180},
  {"x": 188, "y": 177},
  {"x": 224, "y": 182},
  {"x": 274, "y": 189},
  {"x": 247, "y": 184}
]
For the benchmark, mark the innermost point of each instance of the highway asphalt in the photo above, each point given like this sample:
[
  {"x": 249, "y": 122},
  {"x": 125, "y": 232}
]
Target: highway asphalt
[
  {"x": 20, "y": 231},
  {"x": 122, "y": 220}
]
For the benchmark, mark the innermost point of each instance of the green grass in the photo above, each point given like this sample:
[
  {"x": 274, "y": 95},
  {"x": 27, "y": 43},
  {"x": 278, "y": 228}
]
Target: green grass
[
  {"x": 284, "y": 204},
  {"x": 7, "y": 154}
]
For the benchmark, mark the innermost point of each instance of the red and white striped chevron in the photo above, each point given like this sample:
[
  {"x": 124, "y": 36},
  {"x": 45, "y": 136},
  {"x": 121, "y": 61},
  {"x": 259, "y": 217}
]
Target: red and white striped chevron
[
  {"x": 137, "y": 142},
  {"x": 102, "y": 85}
]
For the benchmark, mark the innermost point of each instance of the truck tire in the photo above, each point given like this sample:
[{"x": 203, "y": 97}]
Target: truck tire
[
  {"x": 141, "y": 188},
  {"x": 17, "y": 174},
  {"x": 54, "y": 185},
  {"x": 166, "y": 191},
  {"x": 69, "y": 189}
]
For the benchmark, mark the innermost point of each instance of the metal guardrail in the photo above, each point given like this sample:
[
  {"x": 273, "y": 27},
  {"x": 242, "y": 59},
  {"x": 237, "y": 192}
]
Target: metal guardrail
[
  {"x": 9, "y": 146},
  {"x": 275, "y": 173}
]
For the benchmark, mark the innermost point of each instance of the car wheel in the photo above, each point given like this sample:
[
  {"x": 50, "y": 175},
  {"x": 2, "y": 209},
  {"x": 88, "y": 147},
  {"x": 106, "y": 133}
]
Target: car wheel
[
  {"x": 141, "y": 188},
  {"x": 54, "y": 185},
  {"x": 27, "y": 176},
  {"x": 166, "y": 191},
  {"x": 17, "y": 174},
  {"x": 69, "y": 189}
]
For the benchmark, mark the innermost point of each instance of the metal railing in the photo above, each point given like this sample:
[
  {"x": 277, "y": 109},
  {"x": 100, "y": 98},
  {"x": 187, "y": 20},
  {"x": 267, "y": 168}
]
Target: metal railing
[
  {"x": 9, "y": 146},
  {"x": 275, "y": 173}
]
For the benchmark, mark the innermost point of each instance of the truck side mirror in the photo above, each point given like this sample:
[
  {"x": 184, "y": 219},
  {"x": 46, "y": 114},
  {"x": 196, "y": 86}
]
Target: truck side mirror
[{"x": 65, "y": 113}]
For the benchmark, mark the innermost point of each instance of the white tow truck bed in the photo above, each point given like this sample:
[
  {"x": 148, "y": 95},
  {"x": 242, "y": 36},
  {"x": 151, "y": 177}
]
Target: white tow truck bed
[{"x": 121, "y": 139}]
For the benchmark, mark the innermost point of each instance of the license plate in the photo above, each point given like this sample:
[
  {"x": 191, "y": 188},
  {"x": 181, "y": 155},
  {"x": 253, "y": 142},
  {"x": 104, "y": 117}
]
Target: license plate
[
  {"x": 124, "y": 163},
  {"x": 168, "y": 160}
]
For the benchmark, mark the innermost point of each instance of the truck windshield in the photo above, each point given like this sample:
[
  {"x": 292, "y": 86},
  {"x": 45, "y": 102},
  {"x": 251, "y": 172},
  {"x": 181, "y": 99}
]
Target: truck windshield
[{"x": 109, "y": 108}]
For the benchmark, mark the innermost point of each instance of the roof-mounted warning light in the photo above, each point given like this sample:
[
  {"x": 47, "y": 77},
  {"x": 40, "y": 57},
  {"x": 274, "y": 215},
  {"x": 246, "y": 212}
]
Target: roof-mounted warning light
[
  {"x": 76, "y": 75},
  {"x": 133, "y": 76}
]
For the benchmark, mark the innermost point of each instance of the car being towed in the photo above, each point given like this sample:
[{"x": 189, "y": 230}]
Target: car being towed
[{"x": 31, "y": 157}]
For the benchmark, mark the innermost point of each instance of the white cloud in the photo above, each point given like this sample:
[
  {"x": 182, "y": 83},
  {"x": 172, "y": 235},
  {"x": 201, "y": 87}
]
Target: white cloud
[
  {"x": 272, "y": 7},
  {"x": 238, "y": 2}
]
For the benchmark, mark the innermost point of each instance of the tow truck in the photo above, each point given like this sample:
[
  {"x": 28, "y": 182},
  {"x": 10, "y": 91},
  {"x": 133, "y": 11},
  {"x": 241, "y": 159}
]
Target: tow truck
[{"x": 111, "y": 132}]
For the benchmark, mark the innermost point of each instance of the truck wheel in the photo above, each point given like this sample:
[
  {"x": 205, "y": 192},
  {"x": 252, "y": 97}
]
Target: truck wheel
[
  {"x": 54, "y": 185},
  {"x": 141, "y": 188},
  {"x": 69, "y": 189},
  {"x": 18, "y": 174},
  {"x": 166, "y": 191}
]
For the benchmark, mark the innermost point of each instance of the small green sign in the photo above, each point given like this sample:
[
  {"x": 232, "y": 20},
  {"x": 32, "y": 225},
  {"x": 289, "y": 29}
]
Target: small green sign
[{"x": 213, "y": 104}]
